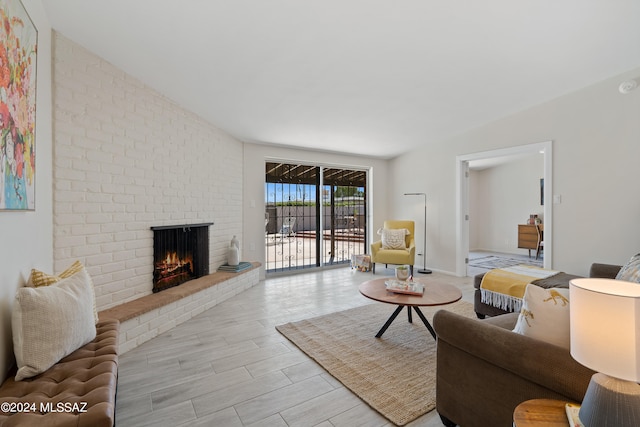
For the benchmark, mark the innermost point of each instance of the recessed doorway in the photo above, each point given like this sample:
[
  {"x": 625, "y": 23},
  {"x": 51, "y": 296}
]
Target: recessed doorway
[{"x": 462, "y": 197}]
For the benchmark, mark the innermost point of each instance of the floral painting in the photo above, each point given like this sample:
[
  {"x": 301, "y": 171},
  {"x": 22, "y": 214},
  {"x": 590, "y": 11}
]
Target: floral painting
[{"x": 18, "y": 42}]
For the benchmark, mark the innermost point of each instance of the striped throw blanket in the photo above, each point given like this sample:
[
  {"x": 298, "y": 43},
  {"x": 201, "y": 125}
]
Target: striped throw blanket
[{"x": 504, "y": 287}]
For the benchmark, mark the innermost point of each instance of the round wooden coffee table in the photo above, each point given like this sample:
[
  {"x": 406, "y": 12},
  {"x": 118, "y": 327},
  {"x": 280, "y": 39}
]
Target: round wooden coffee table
[{"x": 434, "y": 294}]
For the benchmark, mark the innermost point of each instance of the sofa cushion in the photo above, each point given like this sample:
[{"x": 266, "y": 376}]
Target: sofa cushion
[
  {"x": 393, "y": 238},
  {"x": 545, "y": 315},
  {"x": 50, "y": 322},
  {"x": 39, "y": 278},
  {"x": 631, "y": 270}
]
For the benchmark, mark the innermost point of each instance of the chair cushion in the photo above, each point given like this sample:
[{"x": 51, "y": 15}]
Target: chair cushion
[
  {"x": 393, "y": 238},
  {"x": 394, "y": 256},
  {"x": 631, "y": 270},
  {"x": 545, "y": 315}
]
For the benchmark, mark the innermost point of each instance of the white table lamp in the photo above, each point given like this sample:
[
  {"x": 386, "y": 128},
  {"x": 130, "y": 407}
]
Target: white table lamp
[{"x": 605, "y": 337}]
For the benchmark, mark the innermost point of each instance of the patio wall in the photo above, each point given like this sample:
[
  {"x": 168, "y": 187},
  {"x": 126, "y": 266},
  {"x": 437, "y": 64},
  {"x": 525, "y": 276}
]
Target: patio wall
[{"x": 306, "y": 217}]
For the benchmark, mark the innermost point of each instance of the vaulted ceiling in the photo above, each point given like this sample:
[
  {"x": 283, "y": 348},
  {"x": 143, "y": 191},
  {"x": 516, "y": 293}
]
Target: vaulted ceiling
[{"x": 368, "y": 77}]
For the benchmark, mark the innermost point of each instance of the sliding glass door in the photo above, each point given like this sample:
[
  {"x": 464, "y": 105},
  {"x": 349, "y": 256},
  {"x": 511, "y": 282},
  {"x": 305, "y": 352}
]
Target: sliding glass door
[
  {"x": 344, "y": 200},
  {"x": 314, "y": 217}
]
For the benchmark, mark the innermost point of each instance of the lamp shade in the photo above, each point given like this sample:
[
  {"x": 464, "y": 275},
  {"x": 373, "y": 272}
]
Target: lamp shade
[{"x": 605, "y": 326}]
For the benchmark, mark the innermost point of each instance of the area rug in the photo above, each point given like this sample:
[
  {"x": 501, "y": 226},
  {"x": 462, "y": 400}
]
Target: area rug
[
  {"x": 394, "y": 374},
  {"x": 491, "y": 261}
]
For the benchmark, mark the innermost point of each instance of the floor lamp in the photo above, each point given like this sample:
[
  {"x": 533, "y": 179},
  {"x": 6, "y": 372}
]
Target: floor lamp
[{"x": 424, "y": 269}]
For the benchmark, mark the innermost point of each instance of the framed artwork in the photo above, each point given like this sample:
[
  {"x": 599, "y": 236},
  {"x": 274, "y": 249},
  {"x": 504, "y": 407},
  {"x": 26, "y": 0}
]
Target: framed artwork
[{"x": 18, "y": 54}]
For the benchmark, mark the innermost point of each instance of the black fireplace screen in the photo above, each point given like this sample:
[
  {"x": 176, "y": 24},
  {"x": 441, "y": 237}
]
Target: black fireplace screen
[{"x": 180, "y": 254}]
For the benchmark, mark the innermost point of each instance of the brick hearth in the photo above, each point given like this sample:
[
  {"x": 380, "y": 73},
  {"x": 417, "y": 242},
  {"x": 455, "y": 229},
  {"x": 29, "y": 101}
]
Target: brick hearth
[{"x": 151, "y": 315}]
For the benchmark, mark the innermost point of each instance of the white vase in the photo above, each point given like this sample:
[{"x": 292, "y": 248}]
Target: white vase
[
  {"x": 235, "y": 242},
  {"x": 233, "y": 256}
]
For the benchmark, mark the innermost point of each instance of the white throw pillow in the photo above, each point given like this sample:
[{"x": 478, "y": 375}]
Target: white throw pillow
[
  {"x": 50, "y": 322},
  {"x": 545, "y": 315},
  {"x": 393, "y": 238}
]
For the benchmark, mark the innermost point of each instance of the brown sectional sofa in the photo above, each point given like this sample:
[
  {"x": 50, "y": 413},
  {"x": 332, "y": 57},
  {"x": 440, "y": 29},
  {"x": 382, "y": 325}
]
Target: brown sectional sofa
[
  {"x": 484, "y": 370},
  {"x": 79, "y": 390},
  {"x": 560, "y": 280}
]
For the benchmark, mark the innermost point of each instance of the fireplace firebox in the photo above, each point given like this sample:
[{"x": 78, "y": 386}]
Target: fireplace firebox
[{"x": 180, "y": 254}]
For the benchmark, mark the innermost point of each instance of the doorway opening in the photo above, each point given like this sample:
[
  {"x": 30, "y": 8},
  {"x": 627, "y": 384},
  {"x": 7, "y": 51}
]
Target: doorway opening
[
  {"x": 315, "y": 216},
  {"x": 462, "y": 197}
]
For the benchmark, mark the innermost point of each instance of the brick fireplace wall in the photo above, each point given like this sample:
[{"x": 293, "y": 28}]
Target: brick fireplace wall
[{"x": 126, "y": 158}]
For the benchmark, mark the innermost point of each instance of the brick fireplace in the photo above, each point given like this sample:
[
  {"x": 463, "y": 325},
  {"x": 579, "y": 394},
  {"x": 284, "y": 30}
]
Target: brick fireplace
[{"x": 180, "y": 254}]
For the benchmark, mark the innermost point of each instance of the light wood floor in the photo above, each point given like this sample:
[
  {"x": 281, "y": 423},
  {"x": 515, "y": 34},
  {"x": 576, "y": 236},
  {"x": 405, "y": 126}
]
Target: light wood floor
[{"x": 230, "y": 367}]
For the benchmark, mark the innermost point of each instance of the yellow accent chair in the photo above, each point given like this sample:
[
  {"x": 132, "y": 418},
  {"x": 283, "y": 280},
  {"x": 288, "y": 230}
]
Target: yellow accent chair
[{"x": 395, "y": 256}]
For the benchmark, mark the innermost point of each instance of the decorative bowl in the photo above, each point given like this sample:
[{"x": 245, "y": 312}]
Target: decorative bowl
[{"x": 402, "y": 272}]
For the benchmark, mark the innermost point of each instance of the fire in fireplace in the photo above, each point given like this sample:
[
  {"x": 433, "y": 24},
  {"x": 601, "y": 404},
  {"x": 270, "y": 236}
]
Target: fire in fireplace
[
  {"x": 173, "y": 269},
  {"x": 180, "y": 254}
]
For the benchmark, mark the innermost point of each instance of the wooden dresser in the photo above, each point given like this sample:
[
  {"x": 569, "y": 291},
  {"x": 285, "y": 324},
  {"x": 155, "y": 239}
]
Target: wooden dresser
[{"x": 528, "y": 236}]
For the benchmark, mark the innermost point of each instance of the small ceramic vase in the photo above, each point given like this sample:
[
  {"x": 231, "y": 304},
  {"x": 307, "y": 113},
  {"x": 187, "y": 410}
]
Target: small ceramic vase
[
  {"x": 235, "y": 242},
  {"x": 233, "y": 256}
]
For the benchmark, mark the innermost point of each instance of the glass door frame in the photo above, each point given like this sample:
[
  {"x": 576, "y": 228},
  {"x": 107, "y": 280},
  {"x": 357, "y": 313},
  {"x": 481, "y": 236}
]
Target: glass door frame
[{"x": 291, "y": 243}]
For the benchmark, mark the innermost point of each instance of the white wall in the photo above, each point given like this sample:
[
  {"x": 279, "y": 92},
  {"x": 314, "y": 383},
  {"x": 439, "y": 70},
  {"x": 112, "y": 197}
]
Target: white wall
[
  {"x": 255, "y": 156},
  {"x": 126, "y": 158},
  {"x": 500, "y": 198},
  {"x": 595, "y": 132},
  {"x": 27, "y": 236}
]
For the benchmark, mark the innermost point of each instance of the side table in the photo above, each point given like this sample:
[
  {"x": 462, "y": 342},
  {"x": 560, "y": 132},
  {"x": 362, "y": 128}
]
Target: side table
[{"x": 540, "y": 413}]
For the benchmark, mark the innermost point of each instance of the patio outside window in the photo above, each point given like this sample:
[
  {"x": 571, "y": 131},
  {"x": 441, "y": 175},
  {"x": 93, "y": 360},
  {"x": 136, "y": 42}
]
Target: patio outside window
[{"x": 314, "y": 217}]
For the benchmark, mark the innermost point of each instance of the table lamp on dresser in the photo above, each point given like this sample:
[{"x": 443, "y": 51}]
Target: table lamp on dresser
[{"x": 605, "y": 337}]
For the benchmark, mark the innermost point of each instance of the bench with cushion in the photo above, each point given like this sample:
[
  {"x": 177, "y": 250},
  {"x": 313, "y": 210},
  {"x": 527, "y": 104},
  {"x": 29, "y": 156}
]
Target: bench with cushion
[
  {"x": 85, "y": 380},
  {"x": 66, "y": 369},
  {"x": 560, "y": 280}
]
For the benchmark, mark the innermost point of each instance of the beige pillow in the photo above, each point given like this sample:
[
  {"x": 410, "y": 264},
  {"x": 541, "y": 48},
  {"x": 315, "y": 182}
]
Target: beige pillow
[
  {"x": 50, "y": 322},
  {"x": 545, "y": 315},
  {"x": 38, "y": 278},
  {"x": 393, "y": 238}
]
